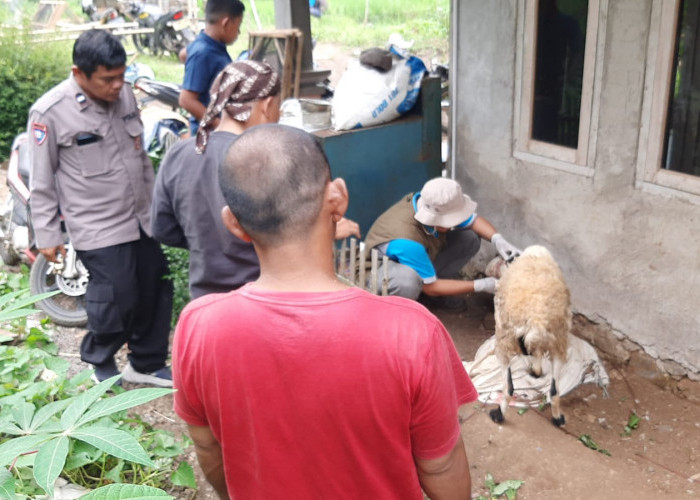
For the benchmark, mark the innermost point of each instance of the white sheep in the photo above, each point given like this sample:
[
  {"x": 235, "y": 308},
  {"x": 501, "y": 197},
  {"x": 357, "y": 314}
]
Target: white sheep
[{"x": 533, "y": 318}]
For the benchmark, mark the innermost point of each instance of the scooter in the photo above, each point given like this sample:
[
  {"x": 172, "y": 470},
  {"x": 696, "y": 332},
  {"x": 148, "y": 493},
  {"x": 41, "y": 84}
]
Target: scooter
[
  {"x": 110, "y": 15},
  {"x": 163, "y": 126},
  {"x": 171, "y": 31},
  {"x": 68, "y": 276}
]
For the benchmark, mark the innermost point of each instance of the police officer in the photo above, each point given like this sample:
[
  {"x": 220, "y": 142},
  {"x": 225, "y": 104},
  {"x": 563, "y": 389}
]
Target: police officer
[{"x": 90, "y": 167}]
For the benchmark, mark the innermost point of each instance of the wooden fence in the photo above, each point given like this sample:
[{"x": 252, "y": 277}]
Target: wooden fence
[{"x": 351, "y": 268}]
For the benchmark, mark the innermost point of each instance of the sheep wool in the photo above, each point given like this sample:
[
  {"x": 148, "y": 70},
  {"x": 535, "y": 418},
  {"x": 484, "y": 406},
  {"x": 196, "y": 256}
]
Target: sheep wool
[{"x": 533, "y": 317}]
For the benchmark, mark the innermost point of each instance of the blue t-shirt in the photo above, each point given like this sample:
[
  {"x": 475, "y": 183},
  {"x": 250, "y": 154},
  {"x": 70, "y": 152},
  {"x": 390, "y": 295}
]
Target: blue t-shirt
[{"x": 206, "y": 57}]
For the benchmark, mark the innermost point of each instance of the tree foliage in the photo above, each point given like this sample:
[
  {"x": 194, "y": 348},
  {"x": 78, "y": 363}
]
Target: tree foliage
[{"x": 27, "y": 71}]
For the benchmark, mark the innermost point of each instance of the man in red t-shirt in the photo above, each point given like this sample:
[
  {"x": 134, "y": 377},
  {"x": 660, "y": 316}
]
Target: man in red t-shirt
[{"x": 297, "y": 386}]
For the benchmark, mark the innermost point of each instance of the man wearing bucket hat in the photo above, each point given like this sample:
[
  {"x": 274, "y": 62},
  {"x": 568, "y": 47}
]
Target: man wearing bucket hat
[{"x": 429, "y": 236}]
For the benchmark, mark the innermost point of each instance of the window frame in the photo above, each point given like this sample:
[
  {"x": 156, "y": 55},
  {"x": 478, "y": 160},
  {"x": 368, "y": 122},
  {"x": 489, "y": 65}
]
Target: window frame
[
  {"x": 573, "y": 160},
  {"x": 658, "y": 84}
]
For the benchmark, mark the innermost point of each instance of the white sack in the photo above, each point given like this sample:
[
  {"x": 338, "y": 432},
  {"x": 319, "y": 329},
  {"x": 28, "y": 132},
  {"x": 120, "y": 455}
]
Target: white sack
[{"x": 366, "y": 96}]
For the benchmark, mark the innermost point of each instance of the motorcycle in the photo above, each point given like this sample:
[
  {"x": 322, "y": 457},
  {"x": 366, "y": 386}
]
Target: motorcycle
[
  {"x": 68, "y": 276},
  {"x": 110, "y": 15},
  {"x": 442, "y": 71},
  {"x": 163, "y": 126},
  {"x": 171, "y": 31}
]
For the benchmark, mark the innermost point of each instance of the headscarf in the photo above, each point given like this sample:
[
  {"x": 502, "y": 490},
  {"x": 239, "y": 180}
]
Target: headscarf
[{"x": 234, "y": 91}]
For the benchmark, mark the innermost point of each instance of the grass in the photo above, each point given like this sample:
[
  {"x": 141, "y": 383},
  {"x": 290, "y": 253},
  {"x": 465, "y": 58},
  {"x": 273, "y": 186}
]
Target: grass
[{"x": 426, "y": 22}]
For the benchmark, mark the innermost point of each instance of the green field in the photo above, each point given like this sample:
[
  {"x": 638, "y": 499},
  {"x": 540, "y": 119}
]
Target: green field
[{"x": 426, "y": 22}]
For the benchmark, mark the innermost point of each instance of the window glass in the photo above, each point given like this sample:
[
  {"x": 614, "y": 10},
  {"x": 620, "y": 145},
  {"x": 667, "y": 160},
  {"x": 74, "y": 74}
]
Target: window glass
[
  {"x": 561, "y": 28},
  {"x": 681, "y": 145}
]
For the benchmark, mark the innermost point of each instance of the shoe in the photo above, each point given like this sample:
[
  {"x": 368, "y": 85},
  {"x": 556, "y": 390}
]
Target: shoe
[
  {"x": 106, "y": 370},
  {"x": 159, "y": 378}
]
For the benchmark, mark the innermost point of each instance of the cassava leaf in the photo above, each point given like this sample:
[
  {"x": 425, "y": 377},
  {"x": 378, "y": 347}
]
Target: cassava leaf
[
  {"x": 12, "y": 448},
  {"x": 121, "y": 402},
  {"x": 126, "y": 492},
  {"x": 7, "y": 484},
  {"x": 81, "y": 403},
  {"x": 117, "y": 443},
  {"x": 6, "y": 298},
  {"x": 7, "y": 427},
  {"x": 23, "y": 413},
  {"x": 49, "y": 462},
  {"x": 46, "y": 412},
  {"x": 184, "y": 476}
]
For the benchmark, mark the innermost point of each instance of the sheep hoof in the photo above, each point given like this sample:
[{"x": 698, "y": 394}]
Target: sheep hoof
[
  {"x": 496, "y": 415},
  {"x": 559, "y": 421}
]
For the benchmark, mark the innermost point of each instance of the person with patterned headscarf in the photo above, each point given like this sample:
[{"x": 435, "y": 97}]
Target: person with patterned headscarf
[{"x": 187, "y": 200}]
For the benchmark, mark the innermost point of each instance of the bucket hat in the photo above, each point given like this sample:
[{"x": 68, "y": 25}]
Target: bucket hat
[{"x": 443, "y": 204}]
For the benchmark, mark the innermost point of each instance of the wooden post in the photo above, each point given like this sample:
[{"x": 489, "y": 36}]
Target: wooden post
[
  {"x": 373, "y": 272},
  {"x": 287, "y": 45},
  {"x": 363, "y": 283},
  {"x": 353, "y": 262},
  {"x": 342, "y": 266},
  {"x": 385, "y": 278}
]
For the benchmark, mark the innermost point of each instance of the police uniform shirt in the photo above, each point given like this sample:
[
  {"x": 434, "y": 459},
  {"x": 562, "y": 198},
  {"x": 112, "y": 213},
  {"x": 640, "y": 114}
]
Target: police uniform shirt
[{"x": 88, "y": 162}]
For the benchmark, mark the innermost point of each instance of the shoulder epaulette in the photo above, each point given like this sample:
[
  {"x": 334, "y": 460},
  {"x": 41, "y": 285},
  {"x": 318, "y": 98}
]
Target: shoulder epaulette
[{"x": 50, "y": 99}]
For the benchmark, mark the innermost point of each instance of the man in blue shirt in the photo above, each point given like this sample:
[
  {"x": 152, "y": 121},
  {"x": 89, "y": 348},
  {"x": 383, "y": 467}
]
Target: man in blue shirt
[
  {"x": 207, "y": 56},
  {"x": 429, "y": 236}
]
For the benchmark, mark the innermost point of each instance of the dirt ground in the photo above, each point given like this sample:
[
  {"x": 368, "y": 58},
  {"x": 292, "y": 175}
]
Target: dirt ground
[{"x": 660, "y": 459}]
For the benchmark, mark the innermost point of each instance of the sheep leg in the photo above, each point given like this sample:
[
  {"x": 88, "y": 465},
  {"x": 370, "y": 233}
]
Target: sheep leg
[
  {"x": 536, "y": 366},
  {"x": 557, "y": 416},
  {"x": 498, "y": 414}
]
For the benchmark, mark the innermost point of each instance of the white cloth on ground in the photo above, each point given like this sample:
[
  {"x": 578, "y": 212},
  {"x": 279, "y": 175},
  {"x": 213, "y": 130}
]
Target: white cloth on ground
[{"x": 583, "y": 366}]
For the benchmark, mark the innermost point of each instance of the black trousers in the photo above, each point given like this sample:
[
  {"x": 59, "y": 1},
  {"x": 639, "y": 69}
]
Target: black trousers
[{"x": 128, "y": 301}]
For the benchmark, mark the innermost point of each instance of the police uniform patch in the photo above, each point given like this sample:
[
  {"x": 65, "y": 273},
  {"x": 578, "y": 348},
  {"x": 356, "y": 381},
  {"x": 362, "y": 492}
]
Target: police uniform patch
[
  {"x": 39, "y": 132},
  {"x": 81, "y": 100}
]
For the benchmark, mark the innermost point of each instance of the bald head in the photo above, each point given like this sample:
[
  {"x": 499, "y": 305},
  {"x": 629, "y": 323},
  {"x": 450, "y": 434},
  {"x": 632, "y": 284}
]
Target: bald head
[{"x": 273, "y": 178}]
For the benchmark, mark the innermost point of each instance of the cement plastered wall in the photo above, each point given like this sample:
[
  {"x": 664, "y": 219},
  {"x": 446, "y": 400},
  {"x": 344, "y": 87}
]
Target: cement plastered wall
[{"x": 631, "y": 257}]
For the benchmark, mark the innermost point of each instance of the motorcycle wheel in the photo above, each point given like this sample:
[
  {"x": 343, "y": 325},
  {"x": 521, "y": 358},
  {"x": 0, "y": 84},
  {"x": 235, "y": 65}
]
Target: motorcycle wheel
[
  {"x": 8, "y": 255},
  {"x": 63, "y": 309},
  {"x": 174, "y": 41},
  {"x": 141, "y": 42}
]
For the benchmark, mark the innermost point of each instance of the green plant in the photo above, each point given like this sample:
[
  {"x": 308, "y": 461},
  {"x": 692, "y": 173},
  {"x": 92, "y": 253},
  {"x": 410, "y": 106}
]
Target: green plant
[
  {"x": 50, "y": 425},
  {"x": 508, "y": 488},
  {"x": 65, "y": 432},
  {"x": 588, "y": 441},
  {"x": 130, "y": 491},
  {"x": 426, "y": 22},
  {"x": 632, "y": 424},
  {"x": 178, "y": 262},
  {"x": 14, "y": 305},
  {"x": 27, "y": 71}
]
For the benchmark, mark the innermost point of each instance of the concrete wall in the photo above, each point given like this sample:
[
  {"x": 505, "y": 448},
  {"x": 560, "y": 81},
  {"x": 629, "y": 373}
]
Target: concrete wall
[{"x": 631, "y": 257}]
